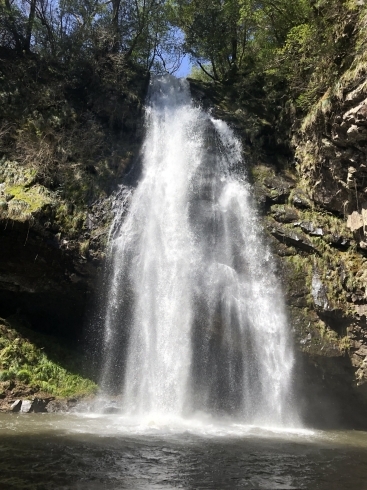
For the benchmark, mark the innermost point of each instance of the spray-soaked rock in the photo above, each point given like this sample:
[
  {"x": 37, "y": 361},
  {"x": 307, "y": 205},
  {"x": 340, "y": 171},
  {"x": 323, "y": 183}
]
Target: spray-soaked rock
[
  {"x": 26, "y": 406},
  {"x": 16, "y": 406}
]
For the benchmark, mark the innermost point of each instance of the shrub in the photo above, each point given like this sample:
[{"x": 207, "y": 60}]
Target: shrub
[
  {"x": 24, "y": 375},
  {"x": 7, "y": 375}
]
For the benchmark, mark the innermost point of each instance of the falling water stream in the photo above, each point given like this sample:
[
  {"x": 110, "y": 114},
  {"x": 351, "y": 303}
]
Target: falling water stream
[
  {"x": 197, "y": 352},
  {"x": 193, "y": 294}
]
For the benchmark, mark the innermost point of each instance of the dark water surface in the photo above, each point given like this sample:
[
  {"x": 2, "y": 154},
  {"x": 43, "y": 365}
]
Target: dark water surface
[{"x": 53, "y": 451}]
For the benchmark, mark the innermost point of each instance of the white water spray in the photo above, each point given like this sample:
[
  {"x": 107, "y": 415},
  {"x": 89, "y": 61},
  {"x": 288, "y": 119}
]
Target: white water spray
[{"x": 195, "y": 322}]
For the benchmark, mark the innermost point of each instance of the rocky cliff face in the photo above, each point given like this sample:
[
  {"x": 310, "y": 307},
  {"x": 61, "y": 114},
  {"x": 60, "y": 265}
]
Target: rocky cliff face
[
  {"x": 68, "y": 135},
  {"x": 320, "y": 265},
  {"x": 314, "y": 207},
  {"x": 330, "y": 153},
  {"x": 62, "y": 155}
]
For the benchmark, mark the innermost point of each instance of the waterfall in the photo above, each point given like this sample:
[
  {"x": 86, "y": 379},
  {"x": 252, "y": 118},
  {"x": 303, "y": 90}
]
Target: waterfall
[{"x": 195, "y": 321}]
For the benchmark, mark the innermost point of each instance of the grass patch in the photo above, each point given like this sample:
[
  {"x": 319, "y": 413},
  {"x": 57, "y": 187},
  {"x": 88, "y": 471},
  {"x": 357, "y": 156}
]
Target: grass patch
[{"x": 23, "y": 360}]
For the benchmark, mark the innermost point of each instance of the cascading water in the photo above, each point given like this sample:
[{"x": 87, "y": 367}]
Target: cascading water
[{"x": 195, "y": 321}]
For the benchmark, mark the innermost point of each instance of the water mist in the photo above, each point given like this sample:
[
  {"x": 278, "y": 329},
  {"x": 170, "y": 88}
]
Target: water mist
[{"x": 195, "y": 321}]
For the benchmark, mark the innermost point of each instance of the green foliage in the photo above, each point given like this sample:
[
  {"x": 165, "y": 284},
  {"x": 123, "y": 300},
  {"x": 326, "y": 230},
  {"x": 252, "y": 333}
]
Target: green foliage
[
  {"x": 281, "y": 59},
  {"x": 316, "y": 54},
  {"x": 23, "y": 361},
  {"x": 71, "y": 31},
  {"x": 6, "y": 375},
  {"x": 236, "y": 36},
  {"x": 199, "y": 74},
  {"x": 296, "y": 61},
  {"x": 24, "y": 375},
  {"x": 66, "y": 136}
]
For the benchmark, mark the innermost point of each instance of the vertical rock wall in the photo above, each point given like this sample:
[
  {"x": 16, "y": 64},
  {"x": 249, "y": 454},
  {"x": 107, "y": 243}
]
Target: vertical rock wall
[{"x": 314, "y": 214}]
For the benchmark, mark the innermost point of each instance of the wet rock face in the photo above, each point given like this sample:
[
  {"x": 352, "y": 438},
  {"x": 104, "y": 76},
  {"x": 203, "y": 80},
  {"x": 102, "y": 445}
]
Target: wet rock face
[
  {"x": 42, "y": 281},
  {"x": 292, "y": 238},
  {"x": 35, "y": 404},
  {"x": 315, "y": 213},
  {"x": 49, "y": 277},
  {"x": 322, "y": 276},
  {"x": 332, "y": 155}
]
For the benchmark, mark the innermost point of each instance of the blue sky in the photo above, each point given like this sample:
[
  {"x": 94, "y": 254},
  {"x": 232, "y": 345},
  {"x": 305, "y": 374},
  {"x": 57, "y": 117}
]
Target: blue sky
[{"x": 185, "y": 67}]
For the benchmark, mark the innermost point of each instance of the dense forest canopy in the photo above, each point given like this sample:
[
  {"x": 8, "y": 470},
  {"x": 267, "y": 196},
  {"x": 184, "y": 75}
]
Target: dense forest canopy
[
  {"x": 230, "y": 34},
  {"x": 69, "y": 29},
  {"x": 226, "y": 39}
]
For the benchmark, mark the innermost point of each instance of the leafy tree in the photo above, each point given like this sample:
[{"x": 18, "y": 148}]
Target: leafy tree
[
  {"x": 231, "y": 34},
  {"x": 69, "y": 30}
]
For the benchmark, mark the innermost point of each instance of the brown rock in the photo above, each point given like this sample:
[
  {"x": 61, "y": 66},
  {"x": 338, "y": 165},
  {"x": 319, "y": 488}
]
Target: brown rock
[
  {"x": 355, "y": 221},
  {"x": 362, "y": 351}
]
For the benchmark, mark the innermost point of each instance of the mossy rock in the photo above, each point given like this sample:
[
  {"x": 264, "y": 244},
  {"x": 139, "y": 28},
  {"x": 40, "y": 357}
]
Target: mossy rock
[{"x": 27, "y": 200}]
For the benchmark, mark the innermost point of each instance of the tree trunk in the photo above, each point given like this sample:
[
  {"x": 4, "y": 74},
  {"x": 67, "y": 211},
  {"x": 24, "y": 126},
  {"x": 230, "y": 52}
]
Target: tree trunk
[
  {"x": 18, "y": 39},
  {"x": 32, "y": 11},
  {"x": 115, "y": 25}
]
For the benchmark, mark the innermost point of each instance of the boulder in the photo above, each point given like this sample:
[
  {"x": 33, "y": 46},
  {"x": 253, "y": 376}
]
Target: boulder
[
  {"x": 15, "y": 407},
  {"x": 284, "y": 214},
  {"x": 26, "y": 406},
  {"x": 338, "y": 241},
  {"x": 39, "y": 405},
  {"x": 356, "y": 220},
  {"x": 278, "y": 189},
  {"x": 57, "y": 406},
  {"x": 111, "y": 410},
  {"x": 310, "y": 228},
  {"x": 290, "y": 237},
  {"x": 300, "y": 199},
  {"x": 319, "y": 293}
]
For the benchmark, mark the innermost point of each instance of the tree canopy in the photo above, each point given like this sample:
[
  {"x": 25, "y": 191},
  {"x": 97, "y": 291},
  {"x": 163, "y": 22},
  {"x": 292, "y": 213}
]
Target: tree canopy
[
  {"x": 70, "y": 29},
  {"x": 302, "y": 42},
  {"x": 230, "y": 34}
]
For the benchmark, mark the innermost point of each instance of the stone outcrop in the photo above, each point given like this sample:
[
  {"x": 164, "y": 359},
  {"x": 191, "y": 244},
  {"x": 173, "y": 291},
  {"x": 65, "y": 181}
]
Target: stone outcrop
[
  {"x": 61, "y": 163},
  {"x": 290, "y": 237},
  {"x": 323, "y": 275},
  {"x": 35, "y": 404},
  {"x": 48, "y": 275}
]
